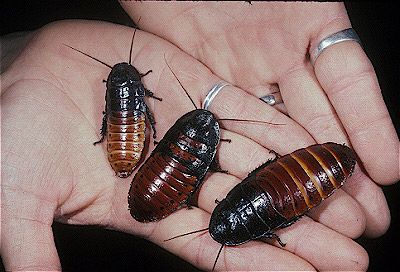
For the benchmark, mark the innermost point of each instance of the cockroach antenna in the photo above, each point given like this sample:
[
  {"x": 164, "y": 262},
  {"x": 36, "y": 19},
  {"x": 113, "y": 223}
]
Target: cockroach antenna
[
  {"x": 180, "y": 83},
  {"x": 246, "y": 120},
  {"x": 188, "y": 233},
  {"x": 102, "y": 62},
  {"x": 216, "y": 259},
  {"x": 133, "y": 37}
]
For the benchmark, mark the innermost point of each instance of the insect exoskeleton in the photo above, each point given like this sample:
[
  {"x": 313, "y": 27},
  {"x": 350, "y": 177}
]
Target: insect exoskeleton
[
  {"x": 175, "y": 168},
  {"x": 124, "y": 120},
  {"x": 279, "y": 192}
]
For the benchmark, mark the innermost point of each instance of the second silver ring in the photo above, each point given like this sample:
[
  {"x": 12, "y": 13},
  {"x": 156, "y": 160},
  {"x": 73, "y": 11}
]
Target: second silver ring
[{"x": 213, "y": 93}]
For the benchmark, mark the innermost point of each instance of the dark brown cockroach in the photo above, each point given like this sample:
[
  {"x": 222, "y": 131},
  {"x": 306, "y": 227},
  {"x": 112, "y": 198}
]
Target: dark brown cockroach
[
  {"x": 124, "y": 121},
  {"x": 279, "y": 192},
  {"x": 177, "y": 166}
]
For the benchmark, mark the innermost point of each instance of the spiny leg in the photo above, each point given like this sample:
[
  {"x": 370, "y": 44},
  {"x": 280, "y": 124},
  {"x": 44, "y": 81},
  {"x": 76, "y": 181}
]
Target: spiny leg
[
  {"x": 145, "y": 74},
  {"x": 151, "y": 120},
  {"x": 276, "y": 155},
  {"x": 103, "y": 131},
  {"x": 215, "y": 167},
  {"x": 273, "y": 235},
  {"x": 151, "y": 94},
  {"x": 187, "y": 201}
]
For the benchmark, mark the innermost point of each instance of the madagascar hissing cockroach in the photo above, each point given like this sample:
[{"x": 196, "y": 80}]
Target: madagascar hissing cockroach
[
  {"x": 124, "y": 116},
  {"x": 278, "y": 193},
  {"x": 177, "y": 166}
]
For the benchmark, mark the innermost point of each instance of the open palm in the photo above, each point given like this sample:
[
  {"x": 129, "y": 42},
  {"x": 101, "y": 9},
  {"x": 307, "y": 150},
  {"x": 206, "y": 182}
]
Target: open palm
[
  {"x": 258, "y": 46},
  {"x": 52, "y": 103}
]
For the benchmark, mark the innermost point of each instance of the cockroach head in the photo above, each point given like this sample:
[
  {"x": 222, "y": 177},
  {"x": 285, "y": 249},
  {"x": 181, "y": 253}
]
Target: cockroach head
[
  {"x": 201, "y": 125},
  {"x": 226, "y": 227},
  {"x": 123, "y": 73}
]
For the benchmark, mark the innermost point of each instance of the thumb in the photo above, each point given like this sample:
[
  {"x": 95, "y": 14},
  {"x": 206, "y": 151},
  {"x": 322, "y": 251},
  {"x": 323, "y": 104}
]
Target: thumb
[{"x": 27, "y": 241}]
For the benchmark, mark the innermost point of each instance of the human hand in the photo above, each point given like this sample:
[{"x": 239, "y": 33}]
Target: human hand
[
  {"x": 56, "y": 173},
  {"x": 255, "y": 46}
]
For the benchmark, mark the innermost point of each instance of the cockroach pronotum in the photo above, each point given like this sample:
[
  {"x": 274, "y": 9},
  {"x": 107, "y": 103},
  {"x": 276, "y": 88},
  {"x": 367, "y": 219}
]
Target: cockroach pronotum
[
  {"x": 278, "y": 193},
  {"x": 177, "y": 166},
  {"x": 124, "y": 116}
]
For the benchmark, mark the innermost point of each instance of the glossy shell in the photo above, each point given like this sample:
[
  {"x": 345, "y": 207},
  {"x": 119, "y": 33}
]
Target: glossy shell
[
  {"x": 278, "y": 192},
  {"x": 176, "y": 167},
  {"x": 124, "y": 124}
]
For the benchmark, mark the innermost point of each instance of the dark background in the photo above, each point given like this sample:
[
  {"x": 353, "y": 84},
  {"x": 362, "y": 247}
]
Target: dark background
[{"x": 89, "y": 248}]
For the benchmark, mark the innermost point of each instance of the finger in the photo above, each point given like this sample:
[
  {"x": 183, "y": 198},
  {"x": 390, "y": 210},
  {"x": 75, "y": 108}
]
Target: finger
[
  {"x": 324, "y": 248},
  {"x": 309, "y": 105},
  {"x": 27, "y": 241},
  {"x": 283, "y": 136},
  {"x": 348, "y": 78},
  {"x": 241, "y": 155},
  {"x": 201, "y": 250},
  {"x": 376, "y": 212},
  {"x": 312, "y": 109},
  {"x": 341, "y": 213},
  {"x": 28, "y": 245}
]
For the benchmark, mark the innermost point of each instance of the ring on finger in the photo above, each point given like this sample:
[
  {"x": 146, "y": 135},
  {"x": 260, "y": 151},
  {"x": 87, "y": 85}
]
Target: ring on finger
[
  {"x": 348, "y": 34},
  {"x": 272, "y": 99},
  {"x": 212, "y": 93}
]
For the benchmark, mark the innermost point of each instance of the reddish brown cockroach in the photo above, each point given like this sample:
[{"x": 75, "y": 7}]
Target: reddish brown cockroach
[{"x": 177, "y": 166}]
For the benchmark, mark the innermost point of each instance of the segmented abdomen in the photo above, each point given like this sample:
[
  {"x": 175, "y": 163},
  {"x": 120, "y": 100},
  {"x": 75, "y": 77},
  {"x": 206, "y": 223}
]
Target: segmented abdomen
[
  {"x": 167, "y": 179},
  {"x": 125, "y": 140},
  {"x": 293, "y": 184}
]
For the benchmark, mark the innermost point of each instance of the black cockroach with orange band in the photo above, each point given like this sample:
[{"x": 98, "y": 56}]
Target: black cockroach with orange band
[
  {"x": 124, "y": 120},
  {"x": 276, "y": 194}
]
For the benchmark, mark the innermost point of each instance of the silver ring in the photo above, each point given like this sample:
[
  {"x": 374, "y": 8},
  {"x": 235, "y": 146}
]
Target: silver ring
[
  {"x": 272, "y": 99},
  {"x": 341, "y": 36},
  {"x": 269, "y": 99},
  {"x": 213, "y": 93}
]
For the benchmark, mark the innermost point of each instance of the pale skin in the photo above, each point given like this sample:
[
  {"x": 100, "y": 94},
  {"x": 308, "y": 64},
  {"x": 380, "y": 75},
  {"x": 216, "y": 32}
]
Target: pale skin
[{"x": 52, "y": 172}]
